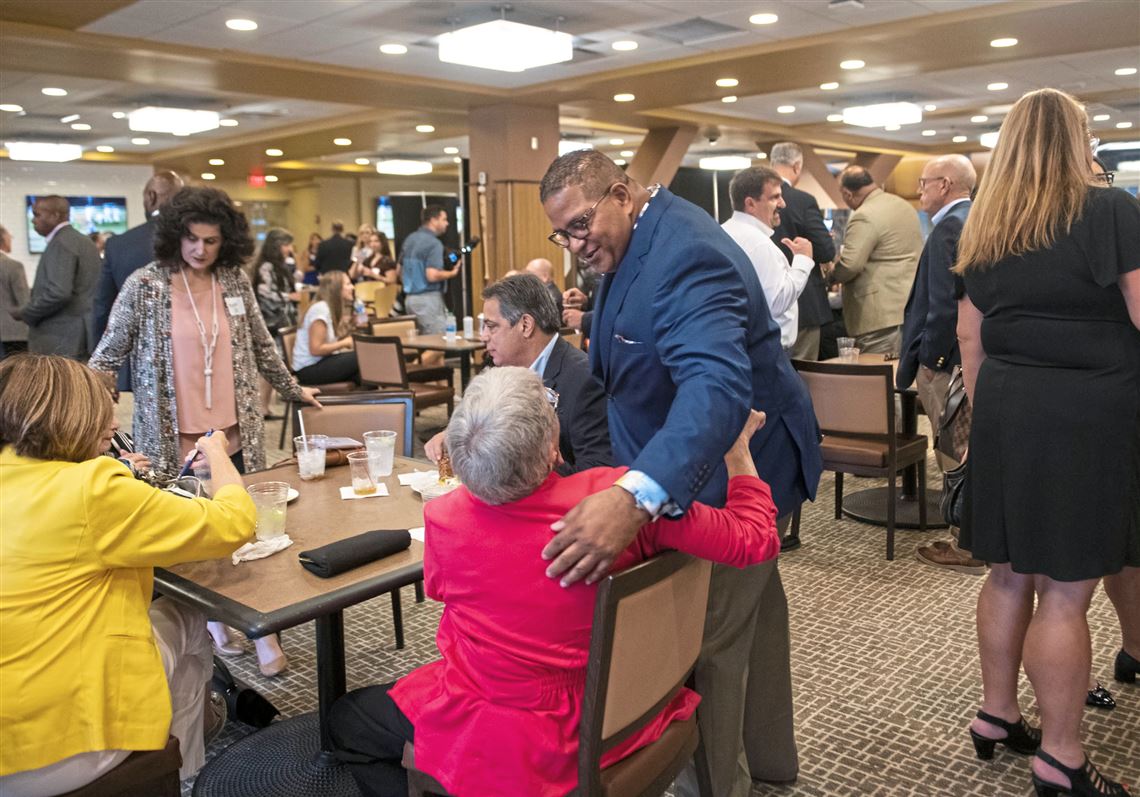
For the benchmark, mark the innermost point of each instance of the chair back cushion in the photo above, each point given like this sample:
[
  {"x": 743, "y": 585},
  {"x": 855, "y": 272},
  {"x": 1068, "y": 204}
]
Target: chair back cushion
[
  {"x": 393, "y": 328},
  {"x": 381, "y": 360},
  {"x": 353, "y": 414},
  {"x": 850, "y": 399}
]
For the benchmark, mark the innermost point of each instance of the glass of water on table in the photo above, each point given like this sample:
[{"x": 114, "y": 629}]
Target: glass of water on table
[
  {"x": 381, "y": 448},
  {"x": 270, "y": 498},
  {"x": 310, "y": 455}
]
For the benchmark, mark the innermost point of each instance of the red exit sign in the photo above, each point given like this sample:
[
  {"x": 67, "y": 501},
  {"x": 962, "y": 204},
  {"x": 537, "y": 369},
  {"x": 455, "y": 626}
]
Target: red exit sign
[{"x": 256, "y": 181}]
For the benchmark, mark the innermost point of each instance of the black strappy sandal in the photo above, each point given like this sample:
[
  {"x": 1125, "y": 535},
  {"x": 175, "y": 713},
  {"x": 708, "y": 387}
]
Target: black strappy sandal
[
  {"x": 1021, "y": 737},
  {"x": 1084, "y": 782}
]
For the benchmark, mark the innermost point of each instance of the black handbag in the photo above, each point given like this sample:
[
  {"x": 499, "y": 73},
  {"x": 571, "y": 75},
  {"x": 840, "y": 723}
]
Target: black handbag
[{"x": 953, "y": 494}]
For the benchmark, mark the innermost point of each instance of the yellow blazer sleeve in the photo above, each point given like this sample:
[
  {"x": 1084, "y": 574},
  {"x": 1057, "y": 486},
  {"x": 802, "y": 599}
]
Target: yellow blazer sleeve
[{"x": 135, "y": 525}]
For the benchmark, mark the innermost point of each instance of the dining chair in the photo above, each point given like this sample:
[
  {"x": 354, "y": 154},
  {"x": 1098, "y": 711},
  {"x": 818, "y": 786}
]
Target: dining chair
[
  {"x": 353, "y": 414},
  {"x": 382, "y": 363},
  {"x": 288, "y": 337},
  {"x": 366, "y": 291},
  {"x": 638, "y": 663},
  {"x": 855, "y": 406},
  {"x": 150, "y": 772}
]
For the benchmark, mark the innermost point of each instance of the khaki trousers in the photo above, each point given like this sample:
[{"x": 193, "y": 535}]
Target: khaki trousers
[
  {"x": 806, "y": 346},
  {"x": 932, "y": 386},
  {"x": 744, "y": 679},
  {"x": 880, "y": 341}
]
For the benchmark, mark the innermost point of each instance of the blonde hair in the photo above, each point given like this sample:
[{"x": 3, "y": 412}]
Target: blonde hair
[
  {"x": 53, "y": 408},
  {"x": 329, "y": 290},
  {"x": 1036, "y": 183}
]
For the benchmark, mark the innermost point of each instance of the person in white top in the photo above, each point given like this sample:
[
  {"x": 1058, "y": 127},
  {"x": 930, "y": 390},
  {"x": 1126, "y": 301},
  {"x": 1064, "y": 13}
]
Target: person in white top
[{"x": 756, "y": 201}]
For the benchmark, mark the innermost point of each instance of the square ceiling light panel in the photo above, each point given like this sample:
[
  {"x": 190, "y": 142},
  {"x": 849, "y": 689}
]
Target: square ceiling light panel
[
  {"x": 505, "y": 46},
  {"x": 177, "y": 121}
]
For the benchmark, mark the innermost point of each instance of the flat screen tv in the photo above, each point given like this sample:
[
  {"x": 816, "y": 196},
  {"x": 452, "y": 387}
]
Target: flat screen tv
[{"x": 88, "y": 214}]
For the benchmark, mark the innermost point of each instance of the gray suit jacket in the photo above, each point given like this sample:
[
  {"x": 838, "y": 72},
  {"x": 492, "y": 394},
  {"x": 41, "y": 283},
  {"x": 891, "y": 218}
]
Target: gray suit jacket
[
  {"x": 59, "y": 313},
  {"x": 13, "y": 295}
]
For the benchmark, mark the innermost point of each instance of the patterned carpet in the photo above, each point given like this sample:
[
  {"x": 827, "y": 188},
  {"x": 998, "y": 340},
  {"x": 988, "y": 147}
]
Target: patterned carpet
[{"x": 884, "y": 664}]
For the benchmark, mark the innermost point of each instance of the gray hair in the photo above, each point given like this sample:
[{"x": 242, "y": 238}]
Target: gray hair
[
  {"x": 751, "y": 182},
  {"x": 786, "y": 153},
  {"x": 500, "y": 436},
  {"x": 588, "y": 168},
  {"x": 524, "y": 294}
]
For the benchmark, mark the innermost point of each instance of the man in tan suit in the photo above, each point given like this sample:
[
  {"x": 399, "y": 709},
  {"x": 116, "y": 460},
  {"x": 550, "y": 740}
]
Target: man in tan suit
[{"x": 876, "y": 266}]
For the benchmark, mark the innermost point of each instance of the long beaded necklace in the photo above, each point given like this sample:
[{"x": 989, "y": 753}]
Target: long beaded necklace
[{"x": 207, "y": 347}]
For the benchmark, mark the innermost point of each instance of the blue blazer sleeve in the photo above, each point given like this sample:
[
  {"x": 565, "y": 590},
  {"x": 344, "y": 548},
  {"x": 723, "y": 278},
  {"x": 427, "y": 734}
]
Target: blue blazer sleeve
[{"x": 939, "y": 347}]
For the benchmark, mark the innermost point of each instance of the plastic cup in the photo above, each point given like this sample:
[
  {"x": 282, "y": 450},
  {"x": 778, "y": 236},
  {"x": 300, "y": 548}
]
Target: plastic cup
[
  {"x": 844, "y": 343},
  {"x": 849, "y": 353},
  {"x": 362, "y": 481},
  {"x": 381, "y": 447},
  {"x": 271, "y": 499},
  {"x": 310, "y": 455}
]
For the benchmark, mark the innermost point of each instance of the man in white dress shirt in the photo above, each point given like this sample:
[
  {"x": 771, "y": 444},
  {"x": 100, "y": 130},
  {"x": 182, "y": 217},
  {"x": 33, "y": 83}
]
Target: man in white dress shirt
[{"x": 756, "y": 195}]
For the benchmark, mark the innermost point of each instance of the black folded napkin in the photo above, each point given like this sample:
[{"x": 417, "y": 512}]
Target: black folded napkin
[{"x": 336, "y": 557}]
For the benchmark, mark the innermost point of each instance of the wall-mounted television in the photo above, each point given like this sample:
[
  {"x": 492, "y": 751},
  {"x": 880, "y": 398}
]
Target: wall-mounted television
[{"x": 88, "y": 214}]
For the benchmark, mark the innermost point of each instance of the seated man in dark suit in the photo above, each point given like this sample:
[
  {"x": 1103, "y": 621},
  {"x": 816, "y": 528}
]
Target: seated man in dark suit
[
  {"x": 520, "y": 327},
  {"x": 124, "y": 254}
]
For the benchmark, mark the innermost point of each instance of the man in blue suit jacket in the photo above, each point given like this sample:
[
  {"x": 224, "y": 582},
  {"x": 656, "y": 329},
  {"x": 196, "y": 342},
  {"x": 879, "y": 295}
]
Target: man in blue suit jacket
[
  {"x": 684, "y": 345},
  {"x": 126, "y": 253}
]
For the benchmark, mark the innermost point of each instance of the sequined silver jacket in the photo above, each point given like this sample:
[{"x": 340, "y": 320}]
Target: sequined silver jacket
[{"x": 140, "y": 328}]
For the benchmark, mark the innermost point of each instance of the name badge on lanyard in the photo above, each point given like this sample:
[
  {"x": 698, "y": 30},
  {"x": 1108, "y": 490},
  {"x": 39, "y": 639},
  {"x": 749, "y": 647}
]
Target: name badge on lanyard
[{"x": 235, "y": 305}]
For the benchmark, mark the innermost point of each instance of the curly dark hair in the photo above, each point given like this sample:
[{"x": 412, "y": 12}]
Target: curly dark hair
[{"x": 202, "y": 206}]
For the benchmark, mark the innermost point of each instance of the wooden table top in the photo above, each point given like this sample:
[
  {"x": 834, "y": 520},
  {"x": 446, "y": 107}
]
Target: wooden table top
[
  {"x": 440, "y": 343},
  {"x": 276, "y": 592}
]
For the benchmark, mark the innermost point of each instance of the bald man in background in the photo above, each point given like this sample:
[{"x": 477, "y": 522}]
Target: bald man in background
[
  {"x": 58, "y": 314},
  {"x": 126, "y": 253},
  {"x": 544, "y": 270}
]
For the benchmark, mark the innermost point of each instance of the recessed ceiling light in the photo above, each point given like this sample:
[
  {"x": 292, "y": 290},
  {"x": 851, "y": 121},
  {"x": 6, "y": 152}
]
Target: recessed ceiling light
[
  {"x": 104, "y": 148},
  {"x": 273, "y": 152},
  {"x": 81, "y": 126},
  {"x": 620, "y": 161},
  {"x": 1004, "y": 42},
  {"x": 1102, "y": 117},
  {"x": 979, "y": 119},
  {"x": 54, "y": 92},
  {"x": 626, "y": 153},
  {"x": 762, "y": 155},
  {"x": 729, "y": 98},
  {"x": 241, "y": 24},
  {"x": 362, "y": 161},
  {"x": 616, "y": 142},
  {"x": 626, "y": 97},
  {"x": 176, "y": 121},
  {"x": 142, "y": 142},
  {"x": 853, "y": 63},
  {"x": 883, "y": 114},
  {"x": 830, "y": 86},
  {"x": 217, "y": 162},
  {"x": 1125, "y": 71},
  {"x": 405, "y": 167},
  {"x": 228, "y": 122},
  {"x": 1123, "y": 125},
  {"x": 763, "y": 19},
  {"x": 835, "y": 117},
  {"x": 997, "y": 86},
  {"x": 393, "y": 49},
  {"x": 271, "y": 178},
  {"x": 425, "y": 128},
  {"x": 11, "y": 108},
  {"x": 891, "y": 128},
  {"x": 624, "y": 45},
  {"x": 960, "y": 139},
  {"x": 209, "y": 176},
  {"x": 343, "y": 142},
  {"x": 786, "y": 109},
  {"x": 727, "y": 82},
  {"x": 457, "y": 159},
  {"x": 451, "y": 150},
  {"x": 929, "y": 108},
  {"x": 70, "y": 118},
  {"x": 118, "y": 115},
  {"x": 929, "y": 133}
]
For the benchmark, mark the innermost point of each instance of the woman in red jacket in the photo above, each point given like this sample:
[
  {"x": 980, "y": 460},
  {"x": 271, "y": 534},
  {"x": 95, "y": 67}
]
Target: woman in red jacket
[{"x": 499, "y": 713}]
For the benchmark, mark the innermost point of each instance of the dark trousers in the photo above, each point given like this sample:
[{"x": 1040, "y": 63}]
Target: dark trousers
[
  {"x": 334, "y": 368},
  {"x": 368, "y": 732}
]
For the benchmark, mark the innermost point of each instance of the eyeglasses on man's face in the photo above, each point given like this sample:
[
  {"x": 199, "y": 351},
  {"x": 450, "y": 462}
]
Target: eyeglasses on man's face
[
  {"x": 1105, "y": 177},
  {"x": 579, "y": 228},
  {"x": 552, "y": 397},
  {"x": 922, "y": 181}
]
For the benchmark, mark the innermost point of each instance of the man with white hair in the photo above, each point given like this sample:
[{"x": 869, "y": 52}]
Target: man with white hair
[{"x": 802, "y": 218}]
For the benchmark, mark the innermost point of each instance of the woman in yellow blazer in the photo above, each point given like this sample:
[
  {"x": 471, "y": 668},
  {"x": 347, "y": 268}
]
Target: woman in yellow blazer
[{"x": 90, "y": 669}]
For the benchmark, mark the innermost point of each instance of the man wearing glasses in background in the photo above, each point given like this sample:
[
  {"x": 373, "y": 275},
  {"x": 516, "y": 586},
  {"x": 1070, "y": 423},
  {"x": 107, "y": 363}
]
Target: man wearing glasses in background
[{"x": 684, "y": 345}]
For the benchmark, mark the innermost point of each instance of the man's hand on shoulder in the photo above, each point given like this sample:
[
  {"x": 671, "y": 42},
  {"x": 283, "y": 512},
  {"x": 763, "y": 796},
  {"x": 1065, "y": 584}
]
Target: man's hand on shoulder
[{"x": 592, "y": 534}]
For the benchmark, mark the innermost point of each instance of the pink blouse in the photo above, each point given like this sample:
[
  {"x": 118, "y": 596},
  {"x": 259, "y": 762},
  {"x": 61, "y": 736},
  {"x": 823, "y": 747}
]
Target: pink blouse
[{"x": 194, "y": 420}]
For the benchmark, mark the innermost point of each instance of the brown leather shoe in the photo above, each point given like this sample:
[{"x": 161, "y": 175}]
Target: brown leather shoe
[{"x": 945, "y": 556}]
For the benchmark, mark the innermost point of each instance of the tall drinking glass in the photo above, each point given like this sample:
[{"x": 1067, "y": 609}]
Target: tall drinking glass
[
  {"x": 381, "y": 448},
  {"x": 270, "y": 498}
]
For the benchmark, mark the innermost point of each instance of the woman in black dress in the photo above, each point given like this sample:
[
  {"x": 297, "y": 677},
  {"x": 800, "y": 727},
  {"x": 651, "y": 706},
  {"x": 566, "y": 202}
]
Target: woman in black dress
[{"x": 1050, "y": 338}]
